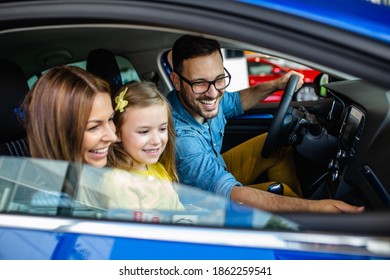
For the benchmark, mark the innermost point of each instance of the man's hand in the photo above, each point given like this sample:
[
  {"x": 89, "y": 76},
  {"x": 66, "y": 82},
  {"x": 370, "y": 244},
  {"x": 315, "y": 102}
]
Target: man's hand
[
  {"x": 279, "y": 203},
  {"x": 253, "y": 95},
  {"x": 334, "y": 206},
  {"x": 281, "y": 83}
]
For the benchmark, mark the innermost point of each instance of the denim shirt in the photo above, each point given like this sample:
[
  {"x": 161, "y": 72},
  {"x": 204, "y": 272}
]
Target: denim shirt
[{"x": 198, "y": 146}]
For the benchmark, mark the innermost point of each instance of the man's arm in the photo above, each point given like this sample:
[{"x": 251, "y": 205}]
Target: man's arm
[
  {"x": 253, "y": 95},
  {"x": 277, "y": 203}
]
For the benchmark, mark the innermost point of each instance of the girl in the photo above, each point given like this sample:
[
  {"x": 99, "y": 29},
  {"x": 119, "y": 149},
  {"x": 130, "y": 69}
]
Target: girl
[{"x": 145, "y": 146}]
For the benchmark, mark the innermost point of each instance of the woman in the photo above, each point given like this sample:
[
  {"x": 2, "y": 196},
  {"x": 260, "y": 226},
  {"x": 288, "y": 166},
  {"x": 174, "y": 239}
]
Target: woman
[{"x": 69, "y": 116}]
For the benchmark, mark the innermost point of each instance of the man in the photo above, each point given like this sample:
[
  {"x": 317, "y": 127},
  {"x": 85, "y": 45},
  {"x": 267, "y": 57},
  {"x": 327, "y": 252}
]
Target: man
[{"x": 200, "y": 109}]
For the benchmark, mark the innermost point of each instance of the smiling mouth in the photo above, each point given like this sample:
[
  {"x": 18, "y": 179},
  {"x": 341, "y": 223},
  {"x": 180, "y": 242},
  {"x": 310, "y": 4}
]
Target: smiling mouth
[
  {"x": 100, "y": 151},
  {"x": 209, "y": 104},
  {"x": 152, "y": 150}
]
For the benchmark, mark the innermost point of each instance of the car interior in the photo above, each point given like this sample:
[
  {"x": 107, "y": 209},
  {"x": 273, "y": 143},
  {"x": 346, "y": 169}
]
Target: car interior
[
  {"x": 14, "y": 88},
  {"x": 102, "y": 63},
  {"x": 338, "y": 141}
]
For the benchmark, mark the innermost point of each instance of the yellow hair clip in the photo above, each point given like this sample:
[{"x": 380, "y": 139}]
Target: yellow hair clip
[{"x": 120, "y": 103}]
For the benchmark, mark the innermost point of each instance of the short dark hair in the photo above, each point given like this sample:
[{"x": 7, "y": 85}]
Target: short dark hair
[{"x": 189, "y": 46}]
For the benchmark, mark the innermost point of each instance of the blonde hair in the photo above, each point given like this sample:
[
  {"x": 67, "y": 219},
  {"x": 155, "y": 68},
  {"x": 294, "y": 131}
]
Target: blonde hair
[
  {"x": 143, "y": 94},
  {"x": 57, "y": 111}
]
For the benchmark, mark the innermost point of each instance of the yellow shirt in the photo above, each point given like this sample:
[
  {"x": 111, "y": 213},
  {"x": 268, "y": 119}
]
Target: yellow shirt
[
  {"x": 156, "y": 170},
  {"x": 138, "y": 190}
]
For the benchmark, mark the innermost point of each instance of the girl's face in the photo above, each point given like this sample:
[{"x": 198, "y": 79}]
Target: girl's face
[
  {"x": 144, "y": 134},
  {"x": 100, "y": 131}
]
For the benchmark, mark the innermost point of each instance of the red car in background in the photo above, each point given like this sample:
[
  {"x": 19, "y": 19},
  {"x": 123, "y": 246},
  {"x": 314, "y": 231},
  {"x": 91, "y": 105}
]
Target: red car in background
[{"x": 262, "y": 69}]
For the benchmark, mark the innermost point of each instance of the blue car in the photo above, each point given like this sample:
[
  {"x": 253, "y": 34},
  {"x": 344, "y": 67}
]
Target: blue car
[{"x": 342, "y": 155}]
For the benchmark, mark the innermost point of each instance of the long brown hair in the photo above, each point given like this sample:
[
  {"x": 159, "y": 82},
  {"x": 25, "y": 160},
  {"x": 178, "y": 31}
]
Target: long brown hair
[
  {"x": 143, "y": 94},
  {"x": 57, "y": 111}
]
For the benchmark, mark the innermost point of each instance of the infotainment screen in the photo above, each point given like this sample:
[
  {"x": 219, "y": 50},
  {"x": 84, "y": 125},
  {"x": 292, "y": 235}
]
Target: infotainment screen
[{"x": 350, "y": 130}]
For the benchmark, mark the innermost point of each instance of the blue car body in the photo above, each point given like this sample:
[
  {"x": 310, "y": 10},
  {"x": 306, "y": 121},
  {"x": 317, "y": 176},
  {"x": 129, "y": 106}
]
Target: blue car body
[
  {"x": 49, "y": 245},
  {"x": 359, "y": 17}
]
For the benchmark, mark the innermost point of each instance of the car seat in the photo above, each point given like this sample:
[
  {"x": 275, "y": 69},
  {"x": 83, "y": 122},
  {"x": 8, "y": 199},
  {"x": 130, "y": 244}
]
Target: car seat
[
  {"x": 102, "y": 63},
  {"x": 14, "y": 87},
  {"x": 166, "y": 61}
]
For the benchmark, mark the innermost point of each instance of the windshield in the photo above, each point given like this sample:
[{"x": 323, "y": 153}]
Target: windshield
[{"x": 58, "y": 188}]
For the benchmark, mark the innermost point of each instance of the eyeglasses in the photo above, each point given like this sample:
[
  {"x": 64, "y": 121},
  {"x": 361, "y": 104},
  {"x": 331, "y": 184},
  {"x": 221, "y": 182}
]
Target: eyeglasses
[{"x": 200, "y": 87}]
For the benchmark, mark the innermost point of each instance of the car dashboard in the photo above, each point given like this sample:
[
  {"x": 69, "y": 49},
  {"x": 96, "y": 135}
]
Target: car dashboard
[
  {"x": 347, "y": 159},
  {"x": 363, "y": 127}
]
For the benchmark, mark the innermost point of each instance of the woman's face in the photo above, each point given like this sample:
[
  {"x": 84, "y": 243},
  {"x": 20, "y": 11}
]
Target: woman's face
[
  {"x": 100, "y": 131},
  {"x": 144, "y": 134}
]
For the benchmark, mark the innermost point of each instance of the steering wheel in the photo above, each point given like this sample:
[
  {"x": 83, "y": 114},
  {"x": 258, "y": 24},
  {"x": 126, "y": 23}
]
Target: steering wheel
[{"x": 282, "y": 121}]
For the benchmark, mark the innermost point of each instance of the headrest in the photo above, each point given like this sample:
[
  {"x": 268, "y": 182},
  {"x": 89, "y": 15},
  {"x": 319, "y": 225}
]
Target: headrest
[
  {"x": 13, "y": 89},
  {"x": 102, "y": 63}
]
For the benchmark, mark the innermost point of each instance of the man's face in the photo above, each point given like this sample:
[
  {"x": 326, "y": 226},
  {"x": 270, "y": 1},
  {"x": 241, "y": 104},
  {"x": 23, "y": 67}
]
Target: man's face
[{"x": 200, "y": 69}]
